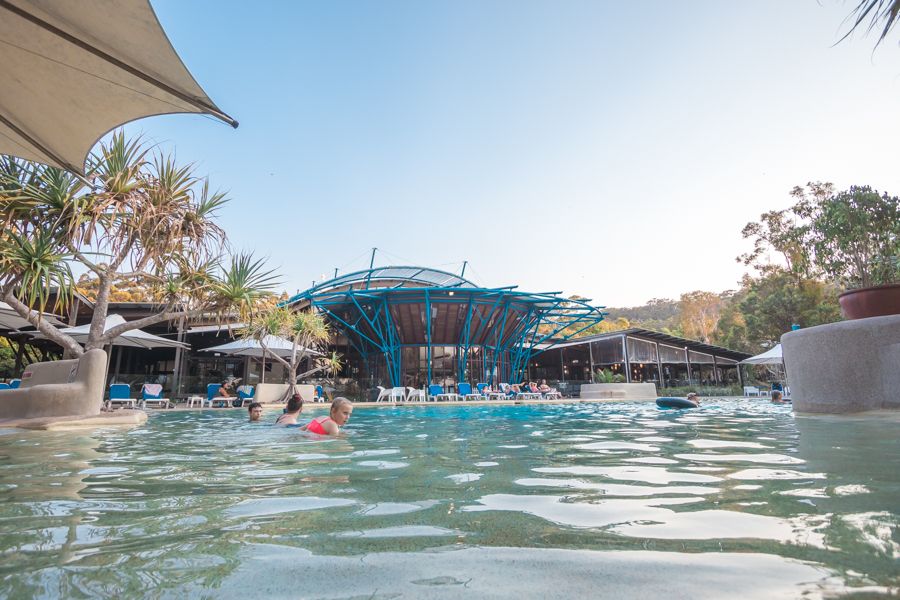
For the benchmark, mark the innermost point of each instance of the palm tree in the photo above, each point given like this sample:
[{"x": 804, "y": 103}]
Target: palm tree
[
  {"x": 880, "y": 14},
  {"x": 309, "y": 333},
  {"x": 136, "y": 216}
]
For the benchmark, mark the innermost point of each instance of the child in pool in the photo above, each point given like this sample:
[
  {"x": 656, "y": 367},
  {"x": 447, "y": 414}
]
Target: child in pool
[{"x": 340, "y": 412}]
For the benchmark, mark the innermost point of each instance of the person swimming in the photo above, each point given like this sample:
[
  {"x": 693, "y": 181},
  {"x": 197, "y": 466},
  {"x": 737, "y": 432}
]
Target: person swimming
[
  {"x": 255, "y": 411},
  {"x": 694, "y": 397},
  {"x": 293, "y": 410},
  {"x": 340, "y": 412}
]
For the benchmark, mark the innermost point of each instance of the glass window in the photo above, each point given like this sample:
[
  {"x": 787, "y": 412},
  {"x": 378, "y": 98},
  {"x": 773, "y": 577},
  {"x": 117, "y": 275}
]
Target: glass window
[
  {"x": 607, "y": 351},
  {"x": 641, "y": 351},
  {"x": 700, "y": 358},
  {"x": 671, "y": 354}
]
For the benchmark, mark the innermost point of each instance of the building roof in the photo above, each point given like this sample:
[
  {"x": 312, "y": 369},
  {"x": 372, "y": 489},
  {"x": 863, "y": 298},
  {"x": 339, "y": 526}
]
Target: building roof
[
  {"x": 387, "y": 277},
  {"x": 663, "y": 338}
]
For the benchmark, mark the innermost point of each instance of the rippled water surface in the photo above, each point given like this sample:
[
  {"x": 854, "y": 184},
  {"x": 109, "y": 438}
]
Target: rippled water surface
[{"x": 736, "y": 499}]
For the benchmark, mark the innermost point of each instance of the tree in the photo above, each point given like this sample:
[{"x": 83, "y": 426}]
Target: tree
[
  {"x": 881, "y": 14},
  {"x": 854, "y": 236},
  {"x": 699, "y": 314},
  {"x": 309, "y": 335},
  {"x": 137, "y": 216},
  {"x": 771, "y": 304}
]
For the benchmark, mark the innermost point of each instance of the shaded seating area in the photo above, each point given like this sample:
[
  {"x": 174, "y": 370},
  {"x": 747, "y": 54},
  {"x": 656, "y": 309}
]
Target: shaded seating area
[{"x": 152, "y": 396}]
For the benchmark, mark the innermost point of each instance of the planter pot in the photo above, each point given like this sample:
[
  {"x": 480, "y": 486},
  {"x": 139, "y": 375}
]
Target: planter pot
[{"x": 875, "y": 301}]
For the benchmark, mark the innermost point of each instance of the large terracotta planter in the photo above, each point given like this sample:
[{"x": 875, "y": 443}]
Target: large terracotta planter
[{"x": 867, "y": 302}]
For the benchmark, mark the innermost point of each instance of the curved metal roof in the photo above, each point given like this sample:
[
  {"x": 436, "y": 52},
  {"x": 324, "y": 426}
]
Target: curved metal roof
[{"x": 388, "y": 277}]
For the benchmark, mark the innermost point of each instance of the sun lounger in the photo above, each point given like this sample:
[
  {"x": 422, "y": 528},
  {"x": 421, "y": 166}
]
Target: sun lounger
[
  {"x": 245, "y": 394},
  {"x": 120, "y": 396},
  {"x": 437, "y": 393},
  {"x": 465, "y": 391},
  {"x": 152, "y": 395}
]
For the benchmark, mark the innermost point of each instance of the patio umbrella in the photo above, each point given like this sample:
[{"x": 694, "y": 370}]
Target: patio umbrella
[
  {"x": 250, "y": 347},
  {"x": 772, "y": 356},
  {"x": 135, "y": 338},
  {"x": 73, "y": 71},
  {"x": 10, "y": 319}
]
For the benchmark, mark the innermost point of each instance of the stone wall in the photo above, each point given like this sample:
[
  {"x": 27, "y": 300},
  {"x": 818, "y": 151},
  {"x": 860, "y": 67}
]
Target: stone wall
[
  {"x": 618, "y": 391},
  {"x": 844, "y": 367}
]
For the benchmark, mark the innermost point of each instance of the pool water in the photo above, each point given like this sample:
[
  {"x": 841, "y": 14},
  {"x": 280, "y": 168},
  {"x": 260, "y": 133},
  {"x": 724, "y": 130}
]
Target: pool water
[{"x": 736, "y": 499}]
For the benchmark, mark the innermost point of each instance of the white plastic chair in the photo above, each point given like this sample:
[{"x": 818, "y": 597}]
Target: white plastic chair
[
  {"x": 383, "y": 394},
  {"x": 751, "y": 390},
  {"x": 414, "y": 395},
  {"x": 397, "y": 394}
]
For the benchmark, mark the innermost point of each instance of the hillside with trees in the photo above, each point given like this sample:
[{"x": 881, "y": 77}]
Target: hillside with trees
[{"x": 803, "y": 257}]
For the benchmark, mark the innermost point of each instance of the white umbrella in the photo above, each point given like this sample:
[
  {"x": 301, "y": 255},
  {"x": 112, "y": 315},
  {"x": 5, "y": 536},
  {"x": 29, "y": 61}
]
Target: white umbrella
[
  {"x": 250, "y": 347},
  {"x": 772, "y": 356},
  {"x": 10, "y": 319},
  {"x": 135, "y": 338},
  {"x": 73, "y": 71}
]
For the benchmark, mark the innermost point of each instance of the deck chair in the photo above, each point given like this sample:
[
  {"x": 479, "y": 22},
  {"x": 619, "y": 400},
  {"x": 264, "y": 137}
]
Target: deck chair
[
  {"x": 416, "y": 395},
  {"x": 5, "y": 386},
  {"x": 120, "y": 395},
  {"x": 437, "y": 393},
  {"x": 465, "y": 391},
  {"x": 212, "y": 395},
  {"x": 384, "y": 394},
  {"x": 398, "y": 394},
  {"x": 152, "y": 394},
  {"x": 750, "y": 390},
  {"x": 320, "y": 394},
  {"x": 14, "y": 384},
  {"x": 245, "y": 394}
]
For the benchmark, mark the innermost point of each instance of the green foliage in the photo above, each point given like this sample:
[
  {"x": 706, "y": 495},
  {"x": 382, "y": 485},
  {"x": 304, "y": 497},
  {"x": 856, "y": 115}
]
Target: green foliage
[
  {"x": 607, "y": 376},
  {"x": 659, "y": 314},
  {"x": 855, "y": 235},
  {"x": 771, "y": 304},
  {"x": 7, "y": 360},
  {"x": 704, "y": 390}
]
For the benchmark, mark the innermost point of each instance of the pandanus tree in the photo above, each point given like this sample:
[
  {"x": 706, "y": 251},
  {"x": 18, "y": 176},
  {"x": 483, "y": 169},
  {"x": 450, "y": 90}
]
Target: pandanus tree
[
  {"x": 308, "y": 333},
  {"x": 137, "y": 215}
]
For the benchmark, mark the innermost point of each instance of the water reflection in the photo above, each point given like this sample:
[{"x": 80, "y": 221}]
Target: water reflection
[{"x": 204, "y": 502}]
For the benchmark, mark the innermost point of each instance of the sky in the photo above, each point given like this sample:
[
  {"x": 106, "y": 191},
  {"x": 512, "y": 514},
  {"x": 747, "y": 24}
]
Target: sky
[{"x": 607, "y": 149}]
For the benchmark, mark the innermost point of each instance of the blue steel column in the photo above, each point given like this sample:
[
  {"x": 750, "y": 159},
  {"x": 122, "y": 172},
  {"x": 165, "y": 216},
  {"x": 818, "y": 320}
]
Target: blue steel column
[{"x": 428, "y": 334}]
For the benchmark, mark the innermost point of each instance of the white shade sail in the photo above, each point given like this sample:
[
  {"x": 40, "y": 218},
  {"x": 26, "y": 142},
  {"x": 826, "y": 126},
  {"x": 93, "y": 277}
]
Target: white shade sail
[
  {"x": 73, "y": 71},
  {"x": 136, "y": 338},
  {"x": 248, "y": 347},
  {"x": 772, "y": 356},
  {"x": 10, "y": 319}
]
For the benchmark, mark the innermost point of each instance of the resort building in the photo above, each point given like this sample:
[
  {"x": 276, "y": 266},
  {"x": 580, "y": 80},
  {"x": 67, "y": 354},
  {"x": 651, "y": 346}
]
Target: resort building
[{"x": 415, "y": 326}]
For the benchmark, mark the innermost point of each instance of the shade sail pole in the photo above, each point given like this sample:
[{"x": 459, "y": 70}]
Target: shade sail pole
[{"x": 197, "y": 102}]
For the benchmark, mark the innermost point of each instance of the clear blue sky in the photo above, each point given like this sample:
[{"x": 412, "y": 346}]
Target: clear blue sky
[{"x": 613, "y": 150}]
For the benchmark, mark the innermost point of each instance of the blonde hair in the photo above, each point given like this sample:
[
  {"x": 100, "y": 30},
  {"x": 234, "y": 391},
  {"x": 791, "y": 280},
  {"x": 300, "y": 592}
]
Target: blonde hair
[{"x": 337, "y": 403}]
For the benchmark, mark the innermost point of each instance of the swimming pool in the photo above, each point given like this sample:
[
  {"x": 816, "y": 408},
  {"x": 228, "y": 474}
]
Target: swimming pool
[{"x": 737, "y": 499}]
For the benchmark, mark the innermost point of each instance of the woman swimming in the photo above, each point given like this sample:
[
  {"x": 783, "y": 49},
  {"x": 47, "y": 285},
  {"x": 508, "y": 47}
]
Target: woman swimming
[
  {"x": 340, "y": 412},
  {"x": 293, "y": 410}
]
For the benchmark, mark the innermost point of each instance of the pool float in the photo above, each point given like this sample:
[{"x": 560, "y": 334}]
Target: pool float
[{"x": 675, "y": 403}]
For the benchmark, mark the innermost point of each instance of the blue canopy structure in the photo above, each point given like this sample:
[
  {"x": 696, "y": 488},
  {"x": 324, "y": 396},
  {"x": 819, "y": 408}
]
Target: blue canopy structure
[{"x": 403, "y": 324}]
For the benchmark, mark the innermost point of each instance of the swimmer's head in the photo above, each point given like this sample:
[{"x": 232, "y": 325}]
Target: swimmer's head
[
  {"x": 341, "y": 409},
  {"x": 255, "y": 410},
  {"x": 295, "y": 404},
  {"x": 776, "y": 396}
]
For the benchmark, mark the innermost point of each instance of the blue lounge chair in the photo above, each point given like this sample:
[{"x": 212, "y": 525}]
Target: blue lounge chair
[
  {"x": 120, "y": 395},
  {"x": 148, "y": 398},
  {"x": 212, "y": 394},
  {"x": 5, "y": 386},
  {"x": 320, "y": 394},
  {"x": 245, "y": 394},
  {"x": 437, "y": 393},
  {"x": 465, "y": 391},
  {"x": 14, "y": 384}
]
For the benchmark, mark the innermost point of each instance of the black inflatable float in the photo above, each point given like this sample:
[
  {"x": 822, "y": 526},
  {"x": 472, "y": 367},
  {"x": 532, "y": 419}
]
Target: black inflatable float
[{"x": 675, "y": 403}]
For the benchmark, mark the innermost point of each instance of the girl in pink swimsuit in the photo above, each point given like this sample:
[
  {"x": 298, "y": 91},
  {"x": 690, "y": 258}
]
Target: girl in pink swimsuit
[{"x": 340, "y": 412}]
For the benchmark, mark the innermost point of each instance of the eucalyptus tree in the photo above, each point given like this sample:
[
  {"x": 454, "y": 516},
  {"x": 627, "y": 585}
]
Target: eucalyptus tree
[
  {"x": 136, "y": 215},
  {"x": 309, "y": 335}
]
